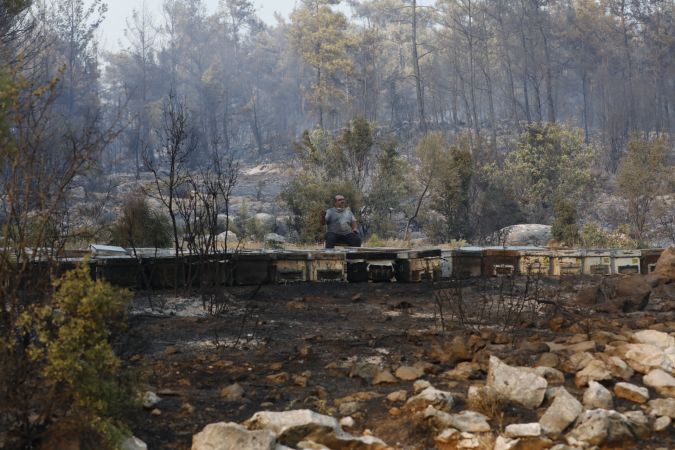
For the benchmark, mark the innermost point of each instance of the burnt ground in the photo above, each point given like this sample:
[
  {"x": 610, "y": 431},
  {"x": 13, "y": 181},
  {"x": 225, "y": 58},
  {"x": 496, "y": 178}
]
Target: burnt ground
[{"x": 300, "y": 346}]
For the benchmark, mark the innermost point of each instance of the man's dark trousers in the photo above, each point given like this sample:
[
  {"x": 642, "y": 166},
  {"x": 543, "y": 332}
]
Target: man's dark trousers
[{"x": 351, "y": 239}]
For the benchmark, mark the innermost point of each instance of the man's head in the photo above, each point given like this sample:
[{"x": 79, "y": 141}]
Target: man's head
[{"x": 340, "y": 201}]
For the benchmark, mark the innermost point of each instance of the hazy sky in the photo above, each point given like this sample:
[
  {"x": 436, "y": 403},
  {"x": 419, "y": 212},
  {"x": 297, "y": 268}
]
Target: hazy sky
[{"x": 112, "y": 29}]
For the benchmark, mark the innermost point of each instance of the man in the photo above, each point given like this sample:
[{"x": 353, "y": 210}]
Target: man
[{"x": 341, "y": 225}]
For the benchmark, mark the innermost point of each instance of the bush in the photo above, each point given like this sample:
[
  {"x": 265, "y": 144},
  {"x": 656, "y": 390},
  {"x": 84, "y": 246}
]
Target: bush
[
  {"x": 564, "y": 228},
  {"x": 140, "y": 226},
  {"x": 87, "y": 389}
]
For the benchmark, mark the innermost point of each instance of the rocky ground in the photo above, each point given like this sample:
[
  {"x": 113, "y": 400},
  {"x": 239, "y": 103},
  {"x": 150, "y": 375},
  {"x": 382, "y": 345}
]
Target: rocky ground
[{"x": 410, "y": 366}]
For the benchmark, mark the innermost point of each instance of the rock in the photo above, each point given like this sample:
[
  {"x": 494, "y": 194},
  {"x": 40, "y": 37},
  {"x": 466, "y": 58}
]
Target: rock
[
  {"x": 515, "y": 384},
  {"x": 662, "y": 382},
  {"x": 582, "y": 346},
  {"x": 525, "y": 234},
  {"x": 349, "y": 408},
  {"x": 662, "y": 407},
  {"x": 301, "y": 380},
  {"x": 431, "y": 397},
  {"x": 397, "y": 396},
  {"x": 347, "y": 422},
  {"x": 229, "y": 236},
  {"x": 577, "y": 361},
  {"x": 156, "y": 412},
  {"x": 645, "y": 357},
  {"x": 600, "y": 426},
  {"x": 597, "y": 396},
  {"x": 665, "y": 265},
  {"x": 232, "y": 393},
  {"x": 662, "y": 423},
  {"x": 639, "y": 423},
  {"x": 278, "y": 378},
  {"x": 408, "y": 373},
  {"x": 551, "y": 375},
  {"x": 562, "y": 412},
  {"x": 594, "y": 371},
  {"x": 384, "y": 376},
  {"x": 306, "y": 445},
  {"x": 631, "y": 392},
  {"x": 656, "y": 338},
  {"x": 504, "y": 443},
  {"x": 150, "y": 400},
  {"x": 469, "y": 421},
  {"x": 232, "y": 436},
  {"x": 420, "y": 385},
  {"x": 548, "y": 360},
  {"x": 458, "y": 349},
  {"x": 364, "y": 370},
  {"x": 133, "y": 443},
  {"x": 626, "y": 293},
  {"x": 463, "y": 371},
  {"x": 618, "y": 367},
  {"x": 523, "y": 430}
]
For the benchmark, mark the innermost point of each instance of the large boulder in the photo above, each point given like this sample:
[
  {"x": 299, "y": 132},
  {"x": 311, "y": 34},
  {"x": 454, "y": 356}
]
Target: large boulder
[
  {"x": 525, "y": 234},
  {"x": 515, "y": 384},
  {"x": 600, "y": 426}
]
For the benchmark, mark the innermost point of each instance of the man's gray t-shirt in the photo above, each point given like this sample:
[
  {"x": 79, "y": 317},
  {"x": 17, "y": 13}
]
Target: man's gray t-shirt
[{"x": 340, "y": 220}]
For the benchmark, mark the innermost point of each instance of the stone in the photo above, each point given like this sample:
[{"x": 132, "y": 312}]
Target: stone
[
  {"x": 665, "y": 265},
  {"x": 505, "y": 443},
  {"x": 383, "y": 377},
  {"x": 582, "y": 346},
  {"x": 639, "y": 423},
  {"x": 349, "y": 408},
  {"x": 662, "y": 423},
  {"x": 596, "y": 370},
  {"x": 347, "y": 422},
  {"x": 294, "y": 426},
  {"x": 618, "y": 367},
  {"x": 431, "y": 397},
  {"x": 300, "y": 380},
  {"x": 397, "y": 396},
  {"x": 469, "y": 421},
  {"x": 662, "y": 382},
  {"x": 452, "y": 352},
  {"x": 274, "y": 238},
  {"x": 656, "y": 338},
  {"x": 425, "y": 367},
  {"x": 364, "y": 370},
  {"x": 278, "y": 378},
  {"x": 150, "y": 400},
  {"x": 577, "y": 361},
  {"x": 598, "y": 427},
  {"x": 517, "y": 430},
  {"x": 662, "y": 407},
  {"x": 133, "y": 443},
  {"x": 525, "y": 234},
  {"x": 463, "y": 371},
  {"x": 597, "y": 396},
  {"x": 420, "y": 385},
  {"x": 645, "y": 357},
  {"x": 232, "y": 393},
  {"x": 551, "y": 375},
  {"x": 306, "y": 445},
  {"x": 548, "y": 359},
  {"x": 408, "y": 373},
  {"x": 232, "y": 436},
  {"x": 631, "y": 392},
  {"x": 447, "y": 436},
  {"x": 562, "y": 412},
  {"x": 515, "y": 384},
  {"x": 156, "y": 412}
]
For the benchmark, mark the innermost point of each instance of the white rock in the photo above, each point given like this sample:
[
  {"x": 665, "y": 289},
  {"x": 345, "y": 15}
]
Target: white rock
[
  {"x": 599, "y": 426},
  {"x": 662, "y": 407},
  {"x": 447, "y": 435},
  {"x": 661, "y": 381},
  {"x": 523, "y": 430},
  {"x": 466, "y": 421},
  {"x": 431, "y": 396},
  {"x": 631, "y": 392},
  {"x": 619, "y": 368},
  {"x": 420, "y": 385},
  {"x": 515, "y": 384},
  {"x": 150, "y": 400},
  {"x": 653, "y": 337},
  {"x": 596, "y": 370},
  {"x": 133, "y": 443},
  {"x": 639, "y": 423},
  {"x": 597, "y": 396},
  {"x": 662, "y": 423},
  {"x": 645, "y": 357},
  {"x": 505, "y": 443},
  {"x": 562, "y": 412},
  {"x": 232, "y": 436}
]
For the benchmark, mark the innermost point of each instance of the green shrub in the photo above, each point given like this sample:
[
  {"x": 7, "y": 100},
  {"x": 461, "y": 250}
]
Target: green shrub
[
  {"x": 140, "y": 226},
  {"x": 565, "y": 228},
  {"x": 87, "y": 387}
]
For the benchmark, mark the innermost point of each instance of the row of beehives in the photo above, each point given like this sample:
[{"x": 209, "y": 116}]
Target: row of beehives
[
  {"x": 368, "y": 264},
  {"x": 476, "y": 261}
]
